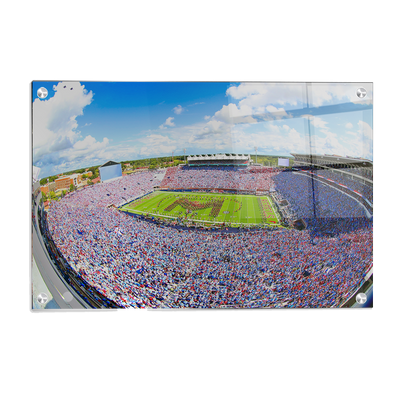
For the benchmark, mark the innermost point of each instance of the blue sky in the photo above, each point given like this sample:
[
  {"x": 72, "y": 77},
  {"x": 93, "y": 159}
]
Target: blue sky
[{"x": 81, "y": 124}]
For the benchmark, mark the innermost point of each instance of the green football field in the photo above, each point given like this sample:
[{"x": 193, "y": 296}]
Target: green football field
[{"x": 207, "y": 207}]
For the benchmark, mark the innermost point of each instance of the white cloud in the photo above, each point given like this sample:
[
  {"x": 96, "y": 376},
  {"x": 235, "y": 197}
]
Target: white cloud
[
  {"x": 319, "y": 123},
  {"x": 115, "y": 153},
  {"x": 296, "y": 140},
  {"x": 232, "y": 114},
  {"x": 271, "y": 140},
  {"x": 263, "y": 94},
  {"x": 235, "y": 128},
  {"x": 258, "y": 95},
  {"x": 365, "y": 130},
  {"x": 355, "y": 144},
  {"x": 168, "y": 122},
  {"x": 358, "y": 143},
  {"x": 54, "y": 120},
  {"x": 331, "y": 93},
  {"x": 251, "y": 100},
  {"x": 365, "y": 136},
  {"x": 329, "y": 144},
  {"x": 256, "y": 99},
  {"x": 349, "y": 125},
  {"x": 58, "y": 145},
  {"x": 90, "y": 143},
  {"x": 311, "y": 118},
  {"x": 221, "y": 126},
  {"x": 156, "y": 145},
  {"x": 270, "y": 108},
  {"x": 209, "y": 133},
  {"x": 86, "y": 153},
  {"x": 178, "y": 109}
]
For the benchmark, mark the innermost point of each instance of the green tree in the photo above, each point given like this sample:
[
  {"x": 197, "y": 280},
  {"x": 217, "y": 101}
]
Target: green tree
[
  {"x": 71, "y": 187},
  {"x": 153, "y": 164}
]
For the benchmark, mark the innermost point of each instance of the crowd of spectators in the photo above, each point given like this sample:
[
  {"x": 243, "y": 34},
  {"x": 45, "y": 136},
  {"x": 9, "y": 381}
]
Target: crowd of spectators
[
  {"x": 135, "y": 263},
  {"x": 115, "y": 192},
  {"x": 355, "y": 185},
  {"x": 321, "y": 206},
  {"x": 363, "y": 172},
  {"x": 232, "y": 178}
]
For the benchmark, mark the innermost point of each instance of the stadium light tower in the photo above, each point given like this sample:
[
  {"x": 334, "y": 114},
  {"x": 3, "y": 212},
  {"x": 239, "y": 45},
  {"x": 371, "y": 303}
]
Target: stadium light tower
[
  {"x": 255, "y": 148},
  {"x": 172, "y": 157},
  {"x": 184, "y": 155}
]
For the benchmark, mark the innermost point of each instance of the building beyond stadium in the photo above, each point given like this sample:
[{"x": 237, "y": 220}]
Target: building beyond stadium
[{"x": 219, "y": 160}]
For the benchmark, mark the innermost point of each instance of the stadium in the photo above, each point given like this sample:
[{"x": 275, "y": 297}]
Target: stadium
[{"x": 216, "y": 232}]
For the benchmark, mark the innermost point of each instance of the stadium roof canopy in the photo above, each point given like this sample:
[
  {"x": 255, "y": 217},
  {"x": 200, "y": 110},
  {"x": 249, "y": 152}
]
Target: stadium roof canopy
[
  {"x": 216, "y": 157},
  {"x": 334, "y": 159},
  {"x": 108, "y": 163}
]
